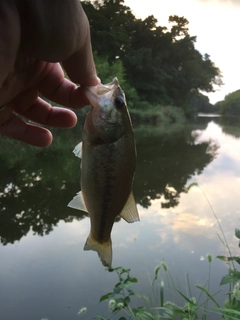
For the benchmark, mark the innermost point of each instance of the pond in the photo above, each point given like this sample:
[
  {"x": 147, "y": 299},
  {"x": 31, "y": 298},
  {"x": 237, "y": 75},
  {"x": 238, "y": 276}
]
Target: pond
[{"x": 182, "y": 174}]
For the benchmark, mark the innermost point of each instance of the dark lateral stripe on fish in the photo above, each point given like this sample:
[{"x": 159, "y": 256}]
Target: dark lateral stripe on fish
[{"x": 110, "y": 182}]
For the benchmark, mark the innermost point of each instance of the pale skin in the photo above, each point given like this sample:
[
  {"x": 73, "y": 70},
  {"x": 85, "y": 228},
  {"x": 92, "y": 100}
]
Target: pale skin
[{"x": 35, "y": 37}]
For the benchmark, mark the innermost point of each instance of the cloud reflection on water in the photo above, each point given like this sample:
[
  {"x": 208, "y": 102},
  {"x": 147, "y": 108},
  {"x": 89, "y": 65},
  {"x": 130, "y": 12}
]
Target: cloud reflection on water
[{"x": 193, "y": 216}]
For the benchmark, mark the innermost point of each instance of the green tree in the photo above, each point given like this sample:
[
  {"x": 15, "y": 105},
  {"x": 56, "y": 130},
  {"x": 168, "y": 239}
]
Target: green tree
[
  {"x": 110, "y": 22},
  {"x": 231, "y": 104},
  {"x": 201, "y": 103},
  {"x": 179, "y": 27},
  {"x": 162, "y": 65},
  {"x": 107, "y": 71}
]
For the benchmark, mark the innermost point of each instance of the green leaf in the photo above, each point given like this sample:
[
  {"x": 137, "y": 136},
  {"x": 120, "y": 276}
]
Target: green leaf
[
  {"x": 117, "y": 268},
  {"x": 106, "y": 296},
  {"x": 167, "y": 310},
  {"x": 138, "y": 311},
  {"x": 231, "y": 311},
  {"x": 124, "y": 271},
  {"x": 177, "y": 312},
  {"x": 157, "y": 269},
  {"x": 208, "y": 294},
  {"x": 223, "y": 258},
  {"x": 164, "y": 266},
  {"x": 228, "y": 278},
  {"x": 173, "y": 311},
  {"x": 233, "y": 277},
  {"x": 131, "y": 292},
  {"x": 226, "y": 259},
  {"x": 237, "y": 259},
  {"x": 117, "y": 289},
  {"x": 235, "y": 305},
  {"x": 141, "y": 296},
  {"x": 111, "y": 269},
  {"x": 134, "y": 280},
  {"x": 118, "y": 284},
  {"x": 126, "y": 281},
  {"x": 186, "y": 298},
  {"x": 235, "y": 274},
  {"x": 237, "y": 233},
  {"x": 122, "y": 318},
  {"x": 126, "y": 300},
  {"x": 148, "y": 315}
]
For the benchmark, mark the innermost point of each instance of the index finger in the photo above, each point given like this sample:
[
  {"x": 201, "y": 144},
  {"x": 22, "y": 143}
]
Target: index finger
[{"x": 61, "y": 90}]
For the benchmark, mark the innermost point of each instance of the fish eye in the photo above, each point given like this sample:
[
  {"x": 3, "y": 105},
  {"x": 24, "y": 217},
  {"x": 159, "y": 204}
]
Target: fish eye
[{"x": 119, "y": 102}]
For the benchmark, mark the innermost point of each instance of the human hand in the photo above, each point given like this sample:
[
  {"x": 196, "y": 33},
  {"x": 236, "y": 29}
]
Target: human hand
[{"x": 27, "y": 70}]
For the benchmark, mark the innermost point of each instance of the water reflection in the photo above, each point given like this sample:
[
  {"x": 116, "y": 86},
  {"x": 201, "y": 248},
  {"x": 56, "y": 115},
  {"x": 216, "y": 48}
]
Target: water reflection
[
  {"x": 37, "y": 184},
  {"x": 51, "y": 277},
  {"x": 218, "y": 183},
  {"x": 166, "y": 162}
]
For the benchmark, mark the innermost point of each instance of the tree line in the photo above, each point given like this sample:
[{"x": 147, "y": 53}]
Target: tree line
[
  {"x": 156, "y": 65},
  {"x": 230, "y": 106}
]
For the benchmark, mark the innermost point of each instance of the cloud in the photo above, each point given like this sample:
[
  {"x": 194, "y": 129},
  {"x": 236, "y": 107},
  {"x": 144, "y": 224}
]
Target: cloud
[{"x": 223, "y": 2}]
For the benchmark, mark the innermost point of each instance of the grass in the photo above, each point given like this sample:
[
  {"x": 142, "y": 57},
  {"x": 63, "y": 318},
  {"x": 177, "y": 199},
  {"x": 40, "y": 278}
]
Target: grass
[{"x": 154, "y": 306}]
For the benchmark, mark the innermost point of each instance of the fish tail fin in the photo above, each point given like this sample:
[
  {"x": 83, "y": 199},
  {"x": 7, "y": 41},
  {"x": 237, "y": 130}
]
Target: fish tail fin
[{"x": 104, "y": 250}]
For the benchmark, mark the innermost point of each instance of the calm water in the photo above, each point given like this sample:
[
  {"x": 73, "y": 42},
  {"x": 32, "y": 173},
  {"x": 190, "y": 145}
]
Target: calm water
[{"x": 44, "y": 272}]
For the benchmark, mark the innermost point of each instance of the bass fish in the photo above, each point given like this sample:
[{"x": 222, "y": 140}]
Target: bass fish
[{"x": 108, "y": 164}]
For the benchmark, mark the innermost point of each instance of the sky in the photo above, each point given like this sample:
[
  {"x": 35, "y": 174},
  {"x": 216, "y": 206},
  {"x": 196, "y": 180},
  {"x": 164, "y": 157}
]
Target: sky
[{"x": 216, "y": 23}]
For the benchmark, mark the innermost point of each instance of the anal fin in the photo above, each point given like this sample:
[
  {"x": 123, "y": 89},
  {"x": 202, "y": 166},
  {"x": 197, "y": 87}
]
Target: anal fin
[{"x": 129, "y": 212}]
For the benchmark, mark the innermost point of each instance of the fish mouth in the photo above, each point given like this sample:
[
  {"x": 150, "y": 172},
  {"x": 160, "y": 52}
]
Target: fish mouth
[
  {"x": 105, "y": 89},
  {"x": 94, "y": 94},
  {"x": 103, "y": 94},
  {"x": 111, "y": 85}
]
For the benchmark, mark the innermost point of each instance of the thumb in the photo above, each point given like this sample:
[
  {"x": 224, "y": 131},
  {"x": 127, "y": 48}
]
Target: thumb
[{"x": 80, "y": 66}]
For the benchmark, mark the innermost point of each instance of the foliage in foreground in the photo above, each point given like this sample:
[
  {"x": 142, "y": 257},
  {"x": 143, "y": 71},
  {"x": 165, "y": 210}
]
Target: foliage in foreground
[
  {"x": 121, "y": 297},
  {"x": 232, "y": 305}
]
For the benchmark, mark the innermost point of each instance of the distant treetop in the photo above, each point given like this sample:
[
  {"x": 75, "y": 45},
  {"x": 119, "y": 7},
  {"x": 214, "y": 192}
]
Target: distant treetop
[{"x": 161, "y": 64}]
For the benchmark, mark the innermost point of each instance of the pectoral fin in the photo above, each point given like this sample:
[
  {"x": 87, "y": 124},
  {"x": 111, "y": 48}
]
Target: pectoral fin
[
  {"x": 77, "y": 202},
  {"x": 78, "y": 150},
  {"x": 130, "y": 213}
]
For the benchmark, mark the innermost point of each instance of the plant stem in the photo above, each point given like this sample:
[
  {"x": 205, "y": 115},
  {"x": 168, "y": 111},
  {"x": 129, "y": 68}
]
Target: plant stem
[{"x": 219, "y": 225}]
